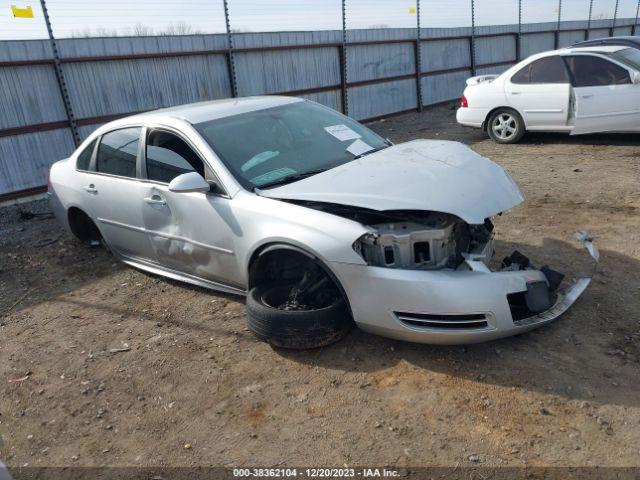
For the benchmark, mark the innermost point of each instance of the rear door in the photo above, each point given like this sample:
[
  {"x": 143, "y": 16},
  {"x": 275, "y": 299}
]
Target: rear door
[
  {"x": 191, "y": 233},
  {"x": 606, "y": 98},
  {"x": 540, "y": 91},
  {"x": 112, "y": 190}
]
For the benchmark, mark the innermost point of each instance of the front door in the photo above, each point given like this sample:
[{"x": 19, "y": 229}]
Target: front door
[
  {"x": 606, "y": 98},
  {"x": 540, "y": 91},
  {"x": 190, "y": 233}
]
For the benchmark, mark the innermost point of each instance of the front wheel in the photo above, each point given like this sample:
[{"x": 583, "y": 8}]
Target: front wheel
[
  {"x": 275, "y": 317},
  {"x": 505, "y": 126}
]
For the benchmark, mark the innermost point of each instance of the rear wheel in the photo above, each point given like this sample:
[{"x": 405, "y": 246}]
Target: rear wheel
[
  {"x": 505, "y": 126},
  {"x": 83, "y": 227}
]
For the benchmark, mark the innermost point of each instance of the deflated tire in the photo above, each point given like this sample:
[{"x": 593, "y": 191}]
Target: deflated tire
[{"x": 274, "y": 319}]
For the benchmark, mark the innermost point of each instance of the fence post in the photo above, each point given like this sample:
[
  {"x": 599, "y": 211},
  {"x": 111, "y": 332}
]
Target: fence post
[
  {"x": 62, "y": 84},
  {"x": 635, "y": 24},
  {"x": 472, "y": 39},
  {"x": 231, "y": 62},
  {"x": 615, "y": 18},
  {"x": 519, "y": 37},
  {"x": 343, "y": 62},
  {"x": 418, "y": 58},
  {"x": 589, "y": 21},
  {"x": 557, "y": 36}
]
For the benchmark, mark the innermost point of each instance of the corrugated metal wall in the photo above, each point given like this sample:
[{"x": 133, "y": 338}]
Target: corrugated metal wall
[{"x": 165, "y": 71}]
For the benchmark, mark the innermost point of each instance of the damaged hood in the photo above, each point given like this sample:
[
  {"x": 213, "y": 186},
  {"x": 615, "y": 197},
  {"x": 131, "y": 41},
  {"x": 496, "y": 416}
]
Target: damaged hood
[{"x": 434, "y": 175}]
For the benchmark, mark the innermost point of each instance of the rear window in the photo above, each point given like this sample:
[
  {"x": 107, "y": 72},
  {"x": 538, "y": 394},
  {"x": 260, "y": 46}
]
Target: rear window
[
  {"x": 118, "y": 152},
  {"x": 84, "y": 159},
  {"x": 544, "y": 70}
]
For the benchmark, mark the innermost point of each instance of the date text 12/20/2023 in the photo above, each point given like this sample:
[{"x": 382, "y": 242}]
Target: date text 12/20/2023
[{"x": 315, "y": 472}]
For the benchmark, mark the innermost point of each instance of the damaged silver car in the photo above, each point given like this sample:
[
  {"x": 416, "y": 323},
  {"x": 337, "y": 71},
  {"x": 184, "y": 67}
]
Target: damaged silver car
[{"x": 318, "y": 220}]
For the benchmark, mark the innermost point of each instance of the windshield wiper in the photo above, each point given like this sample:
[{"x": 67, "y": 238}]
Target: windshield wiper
[{"x": 294, "y": 177}]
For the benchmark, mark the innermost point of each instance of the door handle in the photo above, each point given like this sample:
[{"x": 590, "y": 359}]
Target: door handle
[
  {"x": 155, "y": 200},
  {"x": 91, "y": 188},
  {"x": 588, "y": 96},
  {"x": 515, "y": 93}
]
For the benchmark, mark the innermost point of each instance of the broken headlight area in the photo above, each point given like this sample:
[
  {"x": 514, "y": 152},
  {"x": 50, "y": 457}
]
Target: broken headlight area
[
  {"x": 539, "y": 296},
  {"x": 423, "y": 241}
]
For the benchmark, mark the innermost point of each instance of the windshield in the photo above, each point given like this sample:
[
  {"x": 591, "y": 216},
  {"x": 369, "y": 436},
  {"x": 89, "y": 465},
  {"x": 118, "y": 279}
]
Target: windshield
[
  {"x": 628, "y": 56},
  {"x": 285, "y": 143}
]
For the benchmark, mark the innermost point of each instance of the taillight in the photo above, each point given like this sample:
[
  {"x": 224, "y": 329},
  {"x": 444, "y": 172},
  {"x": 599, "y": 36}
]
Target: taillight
[{"x": 463, "y": 102}]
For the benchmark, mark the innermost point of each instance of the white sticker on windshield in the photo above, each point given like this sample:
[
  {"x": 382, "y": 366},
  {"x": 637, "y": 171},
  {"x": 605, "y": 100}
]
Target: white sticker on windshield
[
  {"x": 342, "y": 132},
  {"x": 358, "y": 148}
]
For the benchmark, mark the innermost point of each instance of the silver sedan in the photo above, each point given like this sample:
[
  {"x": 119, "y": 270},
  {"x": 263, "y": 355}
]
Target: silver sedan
[{"x": 314, "y": 217}]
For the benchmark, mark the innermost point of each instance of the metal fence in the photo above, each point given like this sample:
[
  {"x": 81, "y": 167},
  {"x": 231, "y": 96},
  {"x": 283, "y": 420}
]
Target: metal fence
[{"x": 55, "y": 92}]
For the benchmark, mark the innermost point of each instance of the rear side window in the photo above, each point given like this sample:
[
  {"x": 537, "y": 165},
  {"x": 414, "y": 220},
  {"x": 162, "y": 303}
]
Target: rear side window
[
  {"x": 84, "y": 159},
  {"x": 590, "y": 71},
  {"x": 118, "y": 151},
  {"x": 544, "y": 70},
  {"x": 169, "y": 156}
]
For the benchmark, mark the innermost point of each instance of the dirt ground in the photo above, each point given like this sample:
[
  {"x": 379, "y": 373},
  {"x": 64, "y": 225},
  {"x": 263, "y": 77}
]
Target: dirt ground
[{"x": 125, "y": 368}]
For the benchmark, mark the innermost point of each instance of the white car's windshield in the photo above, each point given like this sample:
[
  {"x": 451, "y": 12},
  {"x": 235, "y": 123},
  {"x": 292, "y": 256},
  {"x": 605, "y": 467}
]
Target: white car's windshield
[
  {"x": 629, "y": 56},
  {"x": 286, "y": 143}
]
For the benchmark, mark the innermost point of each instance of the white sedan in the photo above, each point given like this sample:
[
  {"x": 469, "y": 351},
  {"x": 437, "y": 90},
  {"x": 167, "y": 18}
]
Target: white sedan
[{"x": 573, "y": 90}]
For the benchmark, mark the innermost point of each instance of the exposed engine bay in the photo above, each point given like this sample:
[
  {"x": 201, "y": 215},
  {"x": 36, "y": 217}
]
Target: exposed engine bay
[
  {"x": 420, "y": 240},
  {"x": 424, "y": 240}
]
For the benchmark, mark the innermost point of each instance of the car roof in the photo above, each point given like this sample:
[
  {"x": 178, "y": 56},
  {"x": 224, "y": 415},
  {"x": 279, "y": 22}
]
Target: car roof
[
  {"x": 597, "y": 49},
  {"x": 620, "y": 40},
  {"x": 589, "y": 49},
  {"x": 212, "y": 110}
]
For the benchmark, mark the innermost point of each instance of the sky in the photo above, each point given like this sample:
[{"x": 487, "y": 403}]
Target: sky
[{"x": 153, "y": 17}]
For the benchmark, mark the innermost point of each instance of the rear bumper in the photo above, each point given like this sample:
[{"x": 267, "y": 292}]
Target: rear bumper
[
  {"x": 471, "y": 117},
  {"x": 445, "y": 306},
  {"x": 58, "y": 209}
]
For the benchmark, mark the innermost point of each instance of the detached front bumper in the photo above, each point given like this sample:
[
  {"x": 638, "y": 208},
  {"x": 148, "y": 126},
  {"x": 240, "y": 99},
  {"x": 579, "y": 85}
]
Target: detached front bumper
[{"x": 449, "y": 306}]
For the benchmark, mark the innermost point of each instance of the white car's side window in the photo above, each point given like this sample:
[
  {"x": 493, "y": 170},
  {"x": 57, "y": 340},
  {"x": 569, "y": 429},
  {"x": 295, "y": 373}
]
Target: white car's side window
[
  {"x": 168, "y": 156},
  {"x": 592, "y": 71},
  {"x": 544, "y": 70},
  {"x": 118, "y": 152},
  {"x": 84, "y": 159}
]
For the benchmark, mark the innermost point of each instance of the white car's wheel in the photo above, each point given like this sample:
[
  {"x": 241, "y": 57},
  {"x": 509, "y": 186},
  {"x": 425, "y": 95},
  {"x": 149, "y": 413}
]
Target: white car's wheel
[{"x": 505, "y": 126}]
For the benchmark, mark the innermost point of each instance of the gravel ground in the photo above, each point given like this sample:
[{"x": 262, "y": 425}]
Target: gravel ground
[{"x": 101, "y": 364}]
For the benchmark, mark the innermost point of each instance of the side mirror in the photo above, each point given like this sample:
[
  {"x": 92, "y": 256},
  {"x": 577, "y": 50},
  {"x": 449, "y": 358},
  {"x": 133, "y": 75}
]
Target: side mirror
[
  {"x": 635, "y": 77},
  {"x": 189, "y": 182}
]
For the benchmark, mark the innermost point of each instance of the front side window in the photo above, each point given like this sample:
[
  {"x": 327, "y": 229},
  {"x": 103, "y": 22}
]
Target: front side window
[
  {"x": 628, "y": 56},
  {"x": 169, "y": 156},
  {"x": 118, "y": 151},
  {"x": 544, "y": 70},
  {"x": 84, "y": 159},
  {"x": 591, "y": 71},
  {"x": 275, "y": 145}
]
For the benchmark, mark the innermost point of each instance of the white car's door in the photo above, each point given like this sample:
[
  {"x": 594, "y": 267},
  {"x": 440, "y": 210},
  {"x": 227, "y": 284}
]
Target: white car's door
[
  {"x": 540, "y": 91},
  {"x": 607, "y": 100},
  {"x": 112, "y": 189},
  {"x": 191, "y": 233}
]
